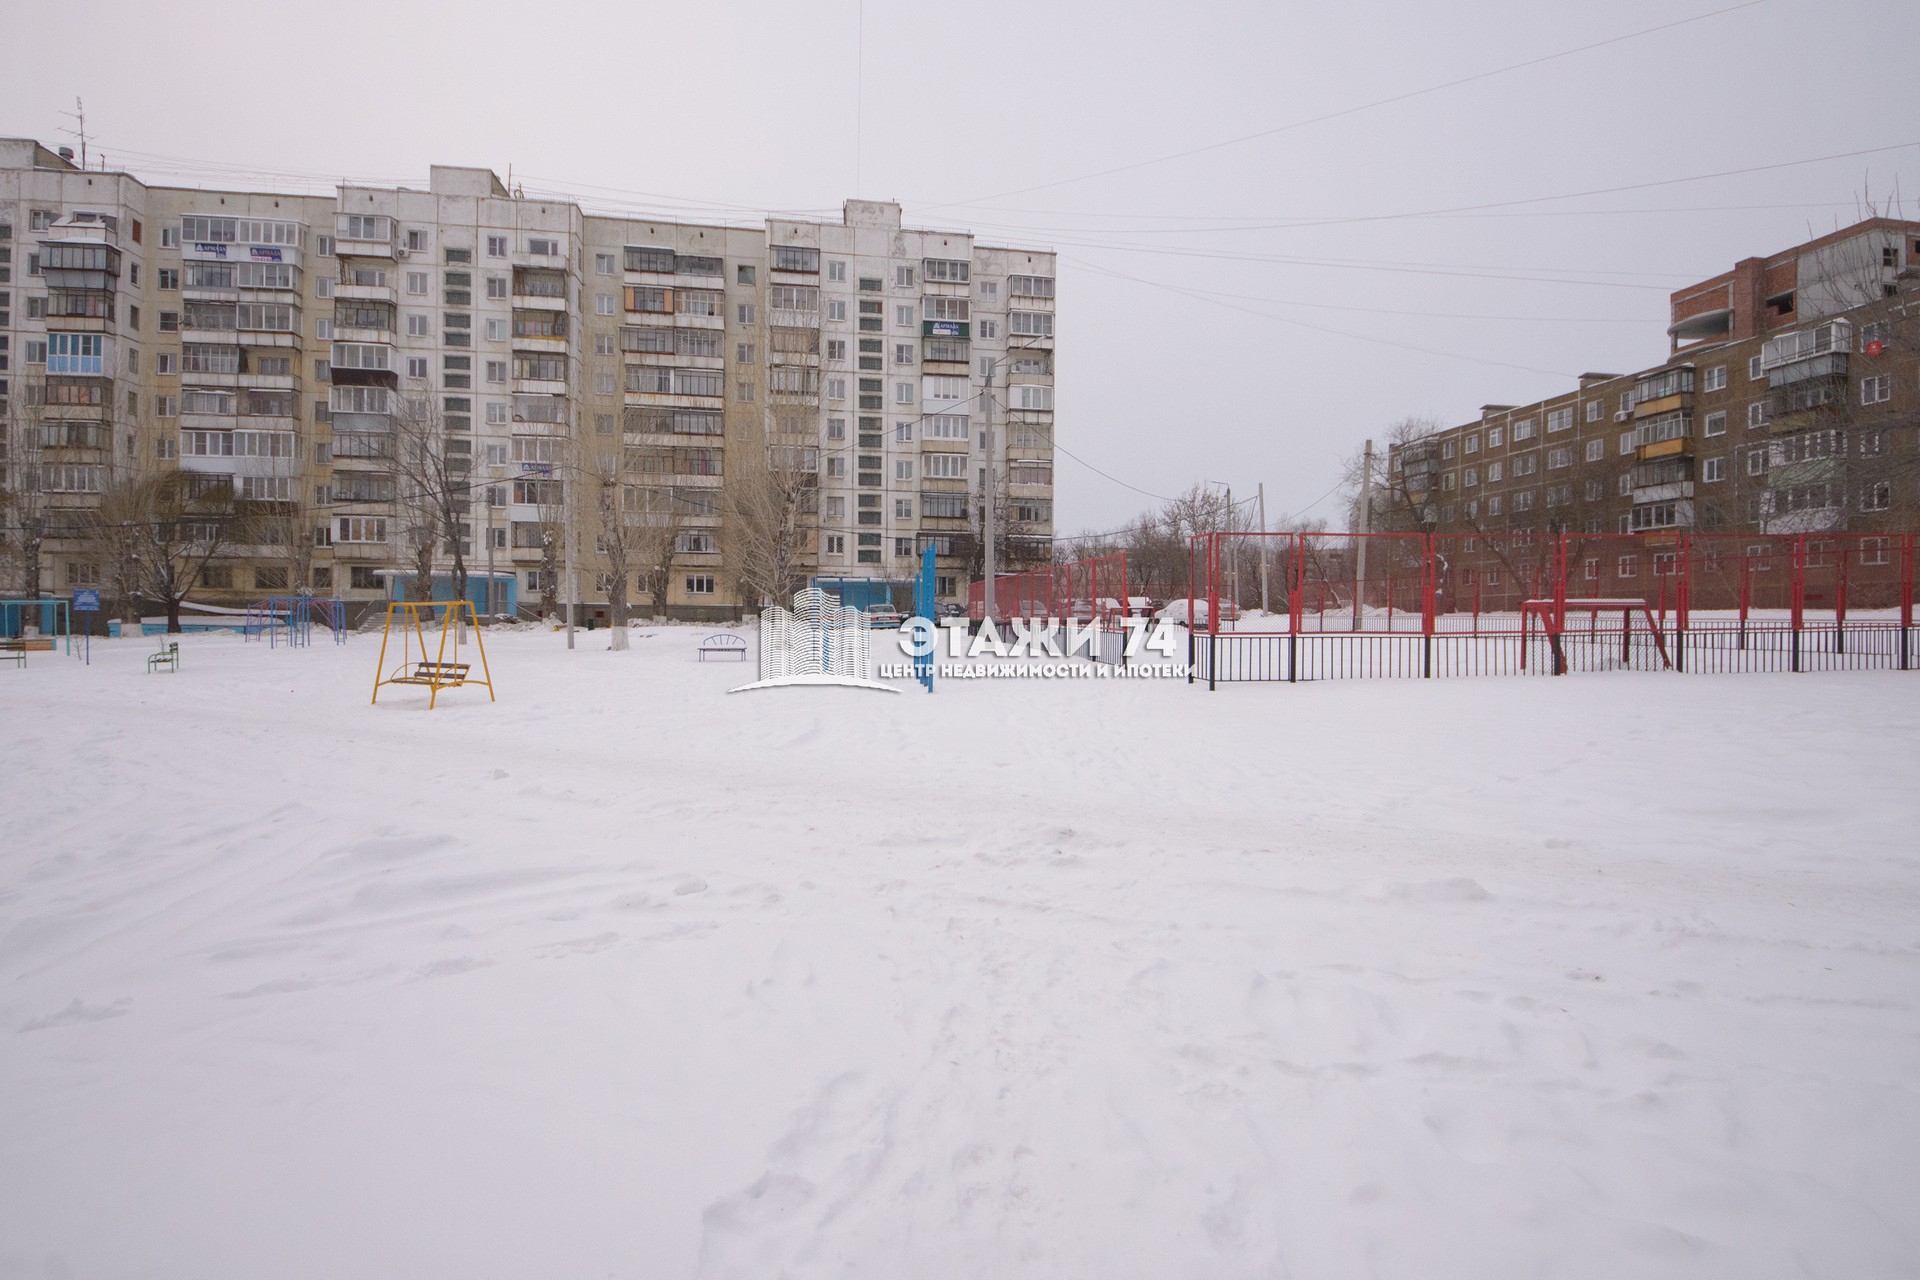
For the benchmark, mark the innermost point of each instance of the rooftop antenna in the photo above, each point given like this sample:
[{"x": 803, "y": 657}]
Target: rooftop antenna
[{"x": 79, "y": 116}]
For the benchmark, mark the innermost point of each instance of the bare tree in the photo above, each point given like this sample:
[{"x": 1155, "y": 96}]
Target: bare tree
[
  {"x": 550, "y": 495},
  {"x": 166, "y": 528},
  {"x": 434, "y": 477},
  {"x": 767, "y": 535},
  {"x": 618, "y": 533},
  {"x": 116, "y": 533},
  {"x": 23, "y": 514}
]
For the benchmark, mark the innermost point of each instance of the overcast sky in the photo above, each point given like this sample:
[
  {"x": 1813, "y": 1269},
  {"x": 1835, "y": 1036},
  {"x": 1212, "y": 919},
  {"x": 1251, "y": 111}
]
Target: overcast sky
[{"x": 1241, "y": 314}]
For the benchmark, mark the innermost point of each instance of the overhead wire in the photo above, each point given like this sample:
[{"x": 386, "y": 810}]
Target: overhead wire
[{"x": 1377, "y": 103}]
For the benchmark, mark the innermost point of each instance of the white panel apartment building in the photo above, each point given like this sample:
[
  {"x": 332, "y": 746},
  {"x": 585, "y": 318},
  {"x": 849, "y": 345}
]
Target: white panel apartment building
[{"x": 295, "y": 343}]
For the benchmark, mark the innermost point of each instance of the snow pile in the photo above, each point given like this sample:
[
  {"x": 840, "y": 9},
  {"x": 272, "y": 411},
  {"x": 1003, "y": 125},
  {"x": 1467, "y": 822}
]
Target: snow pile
[{"x": 620, "y": 976}]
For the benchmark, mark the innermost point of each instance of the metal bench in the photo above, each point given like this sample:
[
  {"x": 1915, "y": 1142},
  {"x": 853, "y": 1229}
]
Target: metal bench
[
  {"x": 168, "y": 658},
  {"x": 722, "y": 642}
]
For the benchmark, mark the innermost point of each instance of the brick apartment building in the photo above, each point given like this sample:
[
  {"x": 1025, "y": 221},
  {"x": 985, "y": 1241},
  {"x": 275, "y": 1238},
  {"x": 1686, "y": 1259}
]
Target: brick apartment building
[{"x": 1788, "y": 404}]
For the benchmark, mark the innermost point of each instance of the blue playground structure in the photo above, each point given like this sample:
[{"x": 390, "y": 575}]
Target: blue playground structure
[
  {"x": 289, "y": 620},
  {"x": 51, "y": 616},
  {"x": 926, "y": 609}
]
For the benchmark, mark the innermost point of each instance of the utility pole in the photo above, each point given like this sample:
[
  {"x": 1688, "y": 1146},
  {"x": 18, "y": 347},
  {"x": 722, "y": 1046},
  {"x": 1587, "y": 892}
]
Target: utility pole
[
  {"x": 1365, "y": 521},
  {"x": 987, "y": 521},
  {"x": 566, "y": 569},
  {"x": 1233, "y": 555},
  {"x": 491, "y": 609},
  {"x": 1263, "y": 547}
]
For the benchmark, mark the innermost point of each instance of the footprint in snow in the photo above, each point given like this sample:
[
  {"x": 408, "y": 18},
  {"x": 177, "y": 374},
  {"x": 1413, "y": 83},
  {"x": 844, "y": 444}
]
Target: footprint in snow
[{"x": 692, "y": 884}]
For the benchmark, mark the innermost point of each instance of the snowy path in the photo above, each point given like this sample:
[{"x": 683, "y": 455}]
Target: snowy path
[{"x": 1604, "y": 976}]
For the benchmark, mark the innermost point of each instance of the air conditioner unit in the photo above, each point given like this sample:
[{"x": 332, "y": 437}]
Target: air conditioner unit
[
  {"x": 1625, "y": 415},
  {"x": 399, "y": 251}
]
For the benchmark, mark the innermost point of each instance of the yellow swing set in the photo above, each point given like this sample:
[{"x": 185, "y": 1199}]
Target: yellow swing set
[{"x": 436, "y": 673}]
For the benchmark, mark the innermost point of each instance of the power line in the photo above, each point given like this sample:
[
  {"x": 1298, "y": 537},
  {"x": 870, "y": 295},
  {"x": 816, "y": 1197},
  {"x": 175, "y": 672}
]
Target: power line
[
  {"x": 1321, "y": 328},
  {"x": 1363, "y": 107}
]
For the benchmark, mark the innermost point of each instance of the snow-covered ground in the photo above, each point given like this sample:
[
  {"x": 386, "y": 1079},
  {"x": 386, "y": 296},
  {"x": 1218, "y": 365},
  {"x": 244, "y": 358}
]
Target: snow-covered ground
[{"x": 1596, "y": 977}]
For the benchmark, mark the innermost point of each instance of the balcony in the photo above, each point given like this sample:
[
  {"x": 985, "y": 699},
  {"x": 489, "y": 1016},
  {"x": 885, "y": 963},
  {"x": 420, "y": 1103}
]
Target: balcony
[
  {"x": 1833, "y": 337},
  {"x": 345, "y": 292},
  {"x": 361, "y": 245},
  {"x": 1824, "y": 387},
  {"x": 1669, "y": 434}
]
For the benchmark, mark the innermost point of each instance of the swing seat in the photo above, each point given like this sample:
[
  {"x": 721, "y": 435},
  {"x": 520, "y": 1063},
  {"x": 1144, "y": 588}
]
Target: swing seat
[{"x": 444, "y": 674}]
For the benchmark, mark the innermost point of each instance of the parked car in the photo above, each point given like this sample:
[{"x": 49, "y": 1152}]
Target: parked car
[
  {"x": 1176, "y": 612},
  {"x": 952, "y": 609},
  {"x": 882, "y": 616}
]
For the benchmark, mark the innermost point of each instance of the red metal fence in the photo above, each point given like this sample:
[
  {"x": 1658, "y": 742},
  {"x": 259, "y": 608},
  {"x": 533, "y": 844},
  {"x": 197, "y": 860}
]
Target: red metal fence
[
  {"x": 1085, "y": 590},
  {"x": 1414, "y": 605}
]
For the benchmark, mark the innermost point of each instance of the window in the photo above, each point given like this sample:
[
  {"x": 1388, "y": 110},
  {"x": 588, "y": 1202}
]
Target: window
[
  {"x": 1026, "y": 396},
  {"x": 837, "y": 310},
  {"x": 543, "y": 248},
  {"x": 1757, "y": 414},
  {"x": 1559, "y": 420},
  {"x": 1754, "y": 373},
  {"x": 1525, "y": 464},
  {"x": 1876, "y": 390},
  {"x": 837, "y": 467},
  {"x": 836, "y": 544},
  {"x": 796, "y": 258},
  {"x": 416, "y": 366},
  {"x": 743, "y": 392},
  {"x": 946, "y": 388},
  {"x": 76, "y": 353},
  {"x": 1493, "y": 473},
  {"x": 903, "y": 277},
  {"x": 1594, "y": 409},
  {"x": 1713, "y": 470},
  {"x": 1626, "y": 442},
  {"x": 747, "y": 313},
  {"x": 1876, "y": 496},
  {"x": 699, "y": 584},
  {"x": 603, "y": 264},
  {"x": 1756, "y": 462},
  {"x": 903, "y": 393},
  {"x": 1522, "y": 430},
  {"x": 1032, "y": 324},
  {"x": 1470, "y": 477},
  {"x": 945, "y": 466},
  {"x": 1596, "y": 450},
  {"x": 1495, "y": 437},
  {"x": 1471, "y": 444},
  {"x": 1716, "y": 379},
  {"x": 1557, "y": 458},
  {"x": 360, "y": 529},
  {"x": 903, "y": 317},
  {"x": 604, "y": 304},
  {"x": 1716, "y": 424}
]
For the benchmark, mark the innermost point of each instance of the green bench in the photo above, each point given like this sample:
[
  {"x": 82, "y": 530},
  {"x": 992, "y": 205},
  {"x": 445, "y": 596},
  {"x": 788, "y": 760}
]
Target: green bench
[{"x": 167, "y": 659}]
